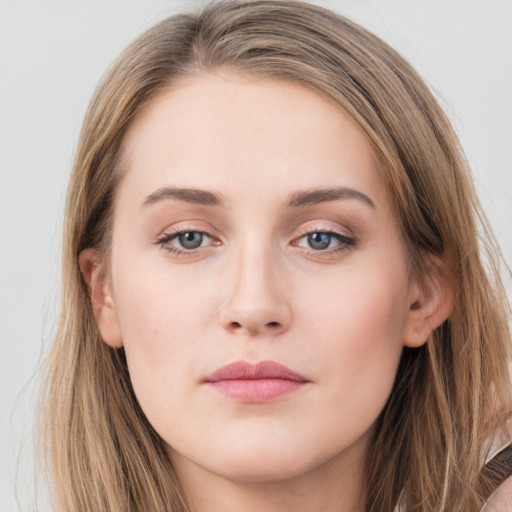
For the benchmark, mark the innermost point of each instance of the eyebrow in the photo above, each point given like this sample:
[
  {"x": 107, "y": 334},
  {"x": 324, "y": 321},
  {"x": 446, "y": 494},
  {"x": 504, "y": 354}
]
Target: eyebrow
[
  {"x": 323, "y": 195},
  {"x": 188, "y": 195},
  {"x": 296, "y": 200}
]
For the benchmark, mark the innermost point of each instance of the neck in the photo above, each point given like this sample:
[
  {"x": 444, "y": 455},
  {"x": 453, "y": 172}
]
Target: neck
[{"x": 335, "y": 485}]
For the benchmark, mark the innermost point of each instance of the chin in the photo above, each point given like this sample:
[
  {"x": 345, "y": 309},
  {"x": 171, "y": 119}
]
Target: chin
[
  {"x": 258, "y": 469},
  {"x": 269, "y": 459}
]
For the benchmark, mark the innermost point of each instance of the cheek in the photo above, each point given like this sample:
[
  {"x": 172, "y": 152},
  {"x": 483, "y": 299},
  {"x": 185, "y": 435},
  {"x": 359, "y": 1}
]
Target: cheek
[
  {"x": 163, "y": 318},
  {"x": 362, "y": 306},
  {"x": 357, "y": 323}
]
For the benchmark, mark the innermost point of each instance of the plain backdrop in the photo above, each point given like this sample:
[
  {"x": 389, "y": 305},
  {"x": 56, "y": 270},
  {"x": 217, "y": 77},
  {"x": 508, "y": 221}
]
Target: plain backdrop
[{"x": 52, "y": 54}]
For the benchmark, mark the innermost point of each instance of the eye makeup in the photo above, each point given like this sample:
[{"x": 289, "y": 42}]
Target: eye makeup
[{"x": 318, "y": 242}]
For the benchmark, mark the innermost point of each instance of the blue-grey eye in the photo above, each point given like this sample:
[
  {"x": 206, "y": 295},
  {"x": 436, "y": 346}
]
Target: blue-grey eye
[
  {"x": 319, "y": 240},
  {"x": 190, "y": 239}
]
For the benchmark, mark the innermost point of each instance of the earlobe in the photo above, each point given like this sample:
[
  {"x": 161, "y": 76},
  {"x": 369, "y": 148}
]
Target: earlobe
[
  {"x": 430, "y": 303},
  {"x": 100, "y": 294}
]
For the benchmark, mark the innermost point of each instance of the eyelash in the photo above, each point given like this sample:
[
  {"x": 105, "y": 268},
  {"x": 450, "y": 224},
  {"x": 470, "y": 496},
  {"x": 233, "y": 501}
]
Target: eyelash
[
  {"x": 165, "y": 238},
  {"x": 345, "y": 243}
]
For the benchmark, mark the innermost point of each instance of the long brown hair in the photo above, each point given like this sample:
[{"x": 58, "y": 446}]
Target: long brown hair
[{"x": 451, "y": 396}]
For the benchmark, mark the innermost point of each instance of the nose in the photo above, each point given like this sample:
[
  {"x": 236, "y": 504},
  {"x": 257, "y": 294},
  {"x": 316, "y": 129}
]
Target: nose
[{"x": 256, "y": 301}]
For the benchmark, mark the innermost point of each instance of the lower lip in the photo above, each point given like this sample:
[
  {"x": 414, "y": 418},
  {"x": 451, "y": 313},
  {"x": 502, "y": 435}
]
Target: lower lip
[{"x": 257, "y": 390}]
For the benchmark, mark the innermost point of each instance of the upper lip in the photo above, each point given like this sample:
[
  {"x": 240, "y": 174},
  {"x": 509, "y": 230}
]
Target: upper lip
[{"x": 243, "y": 370}]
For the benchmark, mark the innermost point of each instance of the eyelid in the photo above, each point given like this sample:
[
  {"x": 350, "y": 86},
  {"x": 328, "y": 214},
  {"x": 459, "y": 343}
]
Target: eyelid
[
  {"x": 322, "y": 228},
  {"x": 166, "y": 235},
  {"x": 183, "y": 227},
  {"x": 347, "y": 241}
]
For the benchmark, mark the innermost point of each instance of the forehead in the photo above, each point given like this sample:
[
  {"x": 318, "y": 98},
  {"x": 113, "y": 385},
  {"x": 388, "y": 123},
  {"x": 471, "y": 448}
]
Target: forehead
[{"x": 238, "y": 134}]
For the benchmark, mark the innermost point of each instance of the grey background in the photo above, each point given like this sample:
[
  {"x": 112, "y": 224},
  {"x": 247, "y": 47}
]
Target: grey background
[{"x": 52, "y": 54}]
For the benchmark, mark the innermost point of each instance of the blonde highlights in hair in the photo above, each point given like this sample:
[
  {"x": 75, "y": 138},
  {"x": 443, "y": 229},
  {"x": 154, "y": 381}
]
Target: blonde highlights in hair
[{"x": 451, "y": 396}]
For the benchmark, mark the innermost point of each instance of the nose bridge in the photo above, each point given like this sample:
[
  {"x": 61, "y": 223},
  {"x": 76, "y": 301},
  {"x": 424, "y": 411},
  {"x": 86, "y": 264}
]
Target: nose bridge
[
  {"x": 256, "y": 300},
  {"x": 253, "y": 271}
]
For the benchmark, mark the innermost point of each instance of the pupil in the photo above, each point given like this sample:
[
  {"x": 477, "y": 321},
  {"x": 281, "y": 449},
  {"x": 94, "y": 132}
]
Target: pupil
[
  {"x": 319, "y": 240},
  {"x": 191, "y": 239}
]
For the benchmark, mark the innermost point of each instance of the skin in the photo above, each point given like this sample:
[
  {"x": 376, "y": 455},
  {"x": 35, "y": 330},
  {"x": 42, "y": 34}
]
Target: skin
[
  {"x": 501, "y": 500},
  {"x": 256, "y": 290}
]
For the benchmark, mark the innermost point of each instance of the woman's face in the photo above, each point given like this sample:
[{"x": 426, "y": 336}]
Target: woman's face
[{"x": 251, "y": 226}]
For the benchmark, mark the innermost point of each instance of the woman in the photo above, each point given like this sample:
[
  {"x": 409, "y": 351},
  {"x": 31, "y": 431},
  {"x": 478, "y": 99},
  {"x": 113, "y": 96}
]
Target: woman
[{"x": 274, "y": 295}]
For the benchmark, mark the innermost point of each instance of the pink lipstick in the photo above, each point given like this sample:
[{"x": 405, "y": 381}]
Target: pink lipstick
[{"x": 255, "y": 383}]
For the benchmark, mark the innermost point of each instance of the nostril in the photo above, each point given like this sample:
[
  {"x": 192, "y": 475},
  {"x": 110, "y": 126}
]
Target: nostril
[{"x": 270, "y": 325}]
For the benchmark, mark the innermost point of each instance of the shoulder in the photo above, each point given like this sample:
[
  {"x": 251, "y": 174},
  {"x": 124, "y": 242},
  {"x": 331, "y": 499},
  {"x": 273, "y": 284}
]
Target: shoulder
[{"x": 501, "y": 499}]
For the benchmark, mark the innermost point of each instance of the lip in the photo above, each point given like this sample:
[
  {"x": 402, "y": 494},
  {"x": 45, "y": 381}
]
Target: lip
[{"x": 255, "y": 383}]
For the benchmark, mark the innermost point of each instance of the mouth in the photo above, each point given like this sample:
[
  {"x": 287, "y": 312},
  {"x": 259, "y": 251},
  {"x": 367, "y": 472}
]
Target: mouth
[{"x": 255, "y": 383}]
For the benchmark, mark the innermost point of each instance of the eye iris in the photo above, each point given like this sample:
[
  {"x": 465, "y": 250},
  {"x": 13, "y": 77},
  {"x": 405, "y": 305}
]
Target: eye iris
[
  {"x": 191, "y": 239},
  {"x": 319, "y": 240}
]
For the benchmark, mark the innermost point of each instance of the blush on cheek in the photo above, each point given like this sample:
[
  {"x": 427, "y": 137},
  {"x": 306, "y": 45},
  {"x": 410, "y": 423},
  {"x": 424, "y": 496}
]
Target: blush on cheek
[{"x": 360, "y": 334}]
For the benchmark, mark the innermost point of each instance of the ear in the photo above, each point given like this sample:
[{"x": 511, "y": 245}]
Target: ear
[
  {"x": 431, "y": 298},
  {"x": 101, "y": 297}
]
